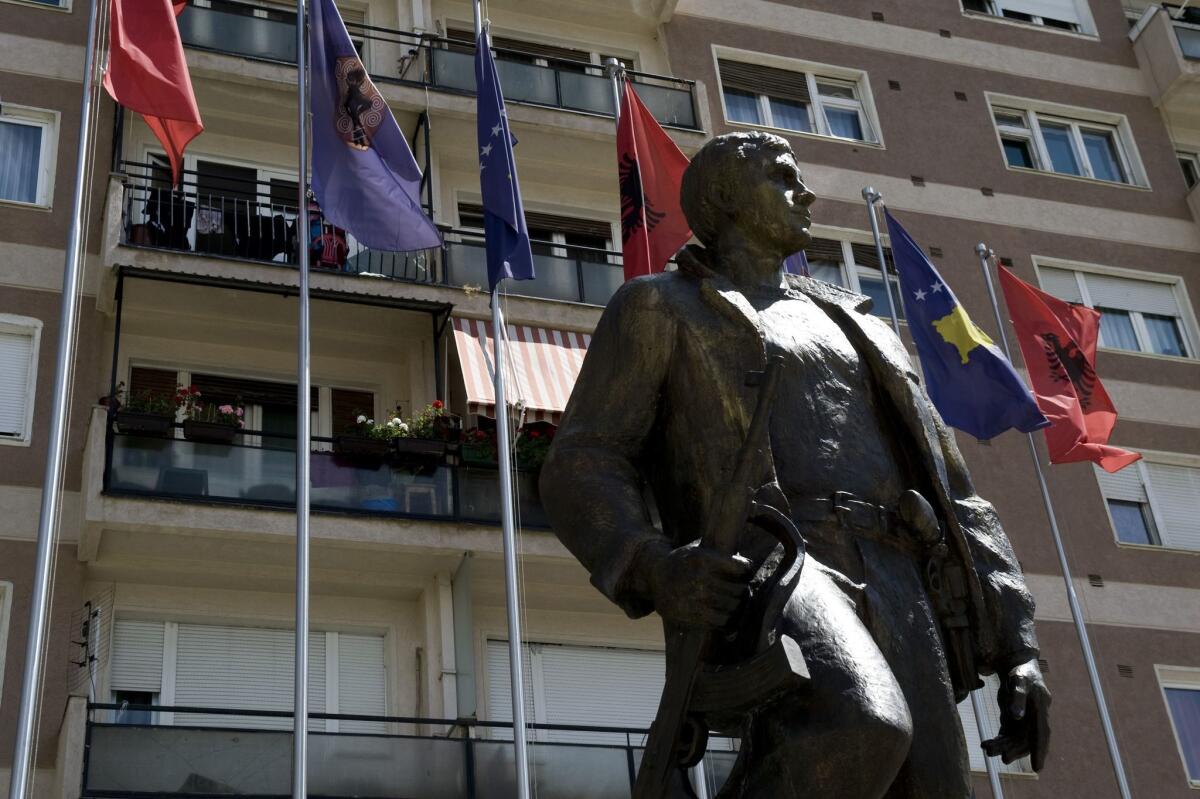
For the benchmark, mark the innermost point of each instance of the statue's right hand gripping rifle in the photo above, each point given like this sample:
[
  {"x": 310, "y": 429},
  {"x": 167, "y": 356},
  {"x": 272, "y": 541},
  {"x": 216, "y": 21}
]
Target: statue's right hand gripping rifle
[{"x": 772, "y": 662}]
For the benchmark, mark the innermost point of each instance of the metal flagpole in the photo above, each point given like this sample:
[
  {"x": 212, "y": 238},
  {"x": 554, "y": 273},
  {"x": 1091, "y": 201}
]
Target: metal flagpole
[
  {"x": 303, "y": 426},
  {"x": 508, "y": 527},
  {"x": 1110, "y": 737},
  {"x": 39, "y": 606},
  {"x": 871, "y": 196},
  {"x": 989, "y": 763},
  {"x": 613, "y": 67}
]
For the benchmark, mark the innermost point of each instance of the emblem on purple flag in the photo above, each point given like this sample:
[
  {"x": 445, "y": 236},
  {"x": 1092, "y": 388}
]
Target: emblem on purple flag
[{"x": 363, "y": 173}]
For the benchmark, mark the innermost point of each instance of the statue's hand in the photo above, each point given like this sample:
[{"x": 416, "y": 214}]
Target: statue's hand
[
  {"x": 1024, "y": 716},
  {"x": 692, "y": 585}
]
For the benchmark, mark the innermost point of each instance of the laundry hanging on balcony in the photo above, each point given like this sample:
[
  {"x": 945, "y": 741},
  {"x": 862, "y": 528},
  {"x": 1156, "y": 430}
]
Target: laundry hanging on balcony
[{"x": 543, "y": 364}]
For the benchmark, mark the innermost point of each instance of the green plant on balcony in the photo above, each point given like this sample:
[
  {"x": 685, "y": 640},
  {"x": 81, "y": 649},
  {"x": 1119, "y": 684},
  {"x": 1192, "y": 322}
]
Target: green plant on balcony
[
  {"x": 479, "y": 447},
  {"x": 145, "y": 412},
  {"x": 436, "y": 423},
  {"x": 208, "y": 422},
  {"x": 533, "y": 442}
]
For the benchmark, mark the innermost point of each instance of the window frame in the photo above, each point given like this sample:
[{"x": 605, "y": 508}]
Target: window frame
[
  {"x": 61, "y": 5},
  {"x": 25, "y": 325},
  {"x": 1086, "y": 27},
  {"x": 6, "y": 602},
  {"x": 812, "y": 72},
  {"x": 852, "y": 272},
  {"x": 1186, "y": 320},
  {"x": 1152, "y": 503},
  {"x": 47, "y": 120},
  {"x": 1035, "y": 113},
  {"x": 1185, "y": 678},
  {"x": 1193, "y": 159}
]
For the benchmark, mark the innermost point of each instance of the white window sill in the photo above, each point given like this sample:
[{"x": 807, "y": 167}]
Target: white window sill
[
  {"x": 1082, "y": 178},
  {"x": 1157, "y": 548},
  {"x": 21, "y": 203},
  {"x": 806, "y": 134},
  {"x": 63, "y": 8},
  {"x": 15, "y": 442},
  {"x": 1152, "y": 355},
  {"x": 1016, "y": 23}
]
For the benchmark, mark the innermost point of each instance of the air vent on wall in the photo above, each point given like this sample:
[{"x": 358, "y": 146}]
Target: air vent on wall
[
  {"x": 987, "y": 192},
  {"x": 1125, "y": 671},
  {"x": 917, "y": 180},
  {"x": 1096, "y": 580},
  {"x": 936, "y": 252},
  {"x": 1044, "y": 665},
  {"x": 877, "y": 16},
  {"x": 1006, "y": 262},
  {"x": 945, "y": 34},
  {"x": 960, "y": 96}
]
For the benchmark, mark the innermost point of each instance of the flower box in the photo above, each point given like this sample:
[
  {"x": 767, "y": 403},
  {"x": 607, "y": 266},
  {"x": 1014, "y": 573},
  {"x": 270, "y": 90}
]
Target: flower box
[
  {"x": 478, "y": 454},
  {"x": 361, "y": 446},
  {"x": 209, "y": 432},
  {"x": 144, "y": 424},
  {"x": 426, "y": 447}
]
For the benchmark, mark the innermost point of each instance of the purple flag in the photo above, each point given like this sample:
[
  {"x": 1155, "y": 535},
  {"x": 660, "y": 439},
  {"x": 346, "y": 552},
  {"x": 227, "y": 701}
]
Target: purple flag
[
  {"x": 364, "y": 174},
  {"x": 796, "y": 264}
]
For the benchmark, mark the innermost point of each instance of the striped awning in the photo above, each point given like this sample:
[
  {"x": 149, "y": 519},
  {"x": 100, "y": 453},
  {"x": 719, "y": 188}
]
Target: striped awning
[{"x": 542, "y": 364}]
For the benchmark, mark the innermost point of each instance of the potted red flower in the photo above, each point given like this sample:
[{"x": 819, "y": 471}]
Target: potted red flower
[
  {"x": 209, "y": 422},
  {"x": 533, "y": 443},
  {"x": 145, "y": 413},
  {"x": 479, "y": 447}
]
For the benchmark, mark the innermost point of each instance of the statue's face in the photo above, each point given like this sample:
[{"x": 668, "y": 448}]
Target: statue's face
[{"x": 775, "y": 203}]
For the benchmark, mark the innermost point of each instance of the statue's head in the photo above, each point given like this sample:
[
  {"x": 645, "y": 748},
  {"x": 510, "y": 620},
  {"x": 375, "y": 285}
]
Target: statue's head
[{"x": 750, "y": 182}]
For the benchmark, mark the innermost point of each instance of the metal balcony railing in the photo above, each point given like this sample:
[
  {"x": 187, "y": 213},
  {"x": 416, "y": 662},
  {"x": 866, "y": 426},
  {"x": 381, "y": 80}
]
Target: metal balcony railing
[
  {"x": 227, "y": 217},
  {"x": 258, "y": 469},
  {"x": 266, "y": 33},
  {"x": 206, "y": 752}
]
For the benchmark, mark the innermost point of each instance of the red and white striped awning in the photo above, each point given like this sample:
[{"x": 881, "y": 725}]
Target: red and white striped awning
[{"x": 542, "y": 364}]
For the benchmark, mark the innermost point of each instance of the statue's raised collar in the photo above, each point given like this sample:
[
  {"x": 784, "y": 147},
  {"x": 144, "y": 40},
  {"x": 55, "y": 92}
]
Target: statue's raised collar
[{"x": 694, "y": 261}]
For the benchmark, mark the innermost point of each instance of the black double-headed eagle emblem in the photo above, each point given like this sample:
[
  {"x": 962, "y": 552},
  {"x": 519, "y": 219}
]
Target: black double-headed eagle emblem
[
  {"x": 634, "y": 208},
  {"x": 1068, "y": 364}
]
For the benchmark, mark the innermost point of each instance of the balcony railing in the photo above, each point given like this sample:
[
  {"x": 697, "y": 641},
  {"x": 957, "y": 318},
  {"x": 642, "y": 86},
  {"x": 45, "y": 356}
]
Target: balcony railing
[
  {"x": 227, "y": 217},
  {"x": 259, "y": 469},
  {"x": 250, "y": 756},
  {"x": 267, "y": 33}
]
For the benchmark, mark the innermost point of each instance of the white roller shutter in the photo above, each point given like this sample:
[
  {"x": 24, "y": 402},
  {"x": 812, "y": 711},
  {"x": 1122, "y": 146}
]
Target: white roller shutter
[
  {"x": 499, "y": 688},
  {"x": 1147, "y": 296},
  {"x": 1061, "y": 283},
  {"x": 16, "y": 360},
  {"x": 1125, "y": 484},
  {"x": 600, "y": 687},
  {"x": 243, "y": 668},
  {"x": 137, "y": 656},
  {"x": 362, "y": 681},
  {"x": 1176, "y": 491},
  {"x": 1065, "y": 10},
  {"x": 991, "y": 726}
]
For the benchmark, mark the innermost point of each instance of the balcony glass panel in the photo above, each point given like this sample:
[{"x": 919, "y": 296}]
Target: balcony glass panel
[
  {"x": 670, "y": 105},
  {"x": 240, "y": 33},
  {"x": 479, "y": 496},
  {"x": 563, "y": 771},
  {"x": 586, "y": 92},
  {"x": 527, "y": 83},
  {"x": 454, "y": 70},
  {"x": 557, "y": 276}
]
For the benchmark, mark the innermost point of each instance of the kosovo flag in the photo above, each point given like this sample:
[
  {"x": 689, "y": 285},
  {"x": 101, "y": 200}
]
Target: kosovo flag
[{"x": 971, "y": 383}]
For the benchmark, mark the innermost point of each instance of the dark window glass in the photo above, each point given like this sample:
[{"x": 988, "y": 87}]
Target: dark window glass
[
  {"x": 873, "y": 288},
  {"x": 1062, "y": 151},
  {"x": 742, "y": 107},
  {"x": 1132, "y": 521},
  {"x": 1102, "y": 155},
  {"x": 1019, "y": 15},
  {"x": 977, "y": 5},
  {"x": 594, "y": 247},
  {"x": 1061, "y": 24},
  {"x": 1018, "y": 153},
  {"x": 127, "y": 698},
  {"x": 1165, "y": 336},
  {"x": 1185, "y": 715},
  {"x": 790, "y": 114},
  {"x": 1191, "y": 176}
]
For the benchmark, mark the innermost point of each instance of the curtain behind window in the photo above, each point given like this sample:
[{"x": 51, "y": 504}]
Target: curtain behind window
[{"x": 20, "y": 153}]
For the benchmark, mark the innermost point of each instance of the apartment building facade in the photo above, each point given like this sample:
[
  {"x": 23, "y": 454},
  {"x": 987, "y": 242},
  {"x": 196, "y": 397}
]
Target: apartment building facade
[{"x": 1063, "y": 133}]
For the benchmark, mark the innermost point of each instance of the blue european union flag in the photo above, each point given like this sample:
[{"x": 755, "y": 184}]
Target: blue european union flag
[
  {"x": 971, "y": 383},
  {"x": 508, "y": 252}
]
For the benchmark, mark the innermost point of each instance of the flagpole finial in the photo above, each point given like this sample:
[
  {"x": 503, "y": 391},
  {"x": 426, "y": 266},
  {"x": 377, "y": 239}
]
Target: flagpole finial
[
  {"x": 614, "y": 68},
  {"x": 981, "y": 249},
  {"x": 871, "y": 196}
]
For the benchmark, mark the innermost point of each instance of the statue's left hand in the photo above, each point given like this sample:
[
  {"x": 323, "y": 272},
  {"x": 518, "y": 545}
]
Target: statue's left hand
[{"x": 1024, "y": 716}]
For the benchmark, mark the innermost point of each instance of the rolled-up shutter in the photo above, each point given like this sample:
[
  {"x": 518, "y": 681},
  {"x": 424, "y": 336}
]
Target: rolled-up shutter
[
  {"x": 1146, "y": 296},
  {"x": 758, "y": 79},
  {"x": 137, "y": 656},
  {"x": 1061, "y": 283},
  {"x": 601, "y": 687},
  {"x": 499, "y": 688},
  {"x": 362, "y": 681},
  {"x": 1064, "y": 10},
  {"x": 865, "y": 255},
  {"x": 1124, "y": 485},
  {"x": 16, "y": 364},
  {"x": 991, "y": 726},
  {"x": 1175, "y": 489}
]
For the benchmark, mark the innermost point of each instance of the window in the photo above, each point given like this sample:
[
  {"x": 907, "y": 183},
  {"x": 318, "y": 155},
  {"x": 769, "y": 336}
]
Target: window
[
  {"x": 991, "y": 728},
  {"x": 855, "y": 266},
  {"x": 1189, "y": 164},
  {"x": 1152, "y": 502},
  {"x": 802, "y": 101},
  {"x": 28, "y": 138},
  {"x": 1051, "y": 143},
  {"x": 6, "y": 590},
  {"x": 20, "y": 337},
  {"x": 1064, "y": 15},
  {"x": 1181, "y": 692},
  {"x": 1137, "y": 315}
]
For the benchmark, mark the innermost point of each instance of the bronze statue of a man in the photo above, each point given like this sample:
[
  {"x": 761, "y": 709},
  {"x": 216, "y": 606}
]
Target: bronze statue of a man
[{"x": 858, "y": 459}]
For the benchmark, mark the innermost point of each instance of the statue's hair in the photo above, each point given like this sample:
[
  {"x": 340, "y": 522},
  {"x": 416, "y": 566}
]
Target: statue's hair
[{"x": 721, "y": 163}]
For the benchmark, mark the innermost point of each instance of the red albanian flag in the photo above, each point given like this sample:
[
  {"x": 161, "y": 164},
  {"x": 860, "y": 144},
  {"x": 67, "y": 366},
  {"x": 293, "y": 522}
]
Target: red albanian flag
[
  {"x": 1058, "y": 340},
  {"x": 147, "y": 72},
  {"x": 653, "y": 227}
]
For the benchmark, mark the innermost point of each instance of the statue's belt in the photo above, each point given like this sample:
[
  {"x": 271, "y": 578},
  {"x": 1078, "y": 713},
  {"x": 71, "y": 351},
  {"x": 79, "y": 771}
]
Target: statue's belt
[{"x": 863, "y": 519}]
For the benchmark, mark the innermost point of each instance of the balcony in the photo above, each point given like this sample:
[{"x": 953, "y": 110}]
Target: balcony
[
  {"x": 253, "y": 220},
  {"x": 248, "y": 753},
  {"x": 259, "y": 470},
  {"x": 1168, "y": 52},
  {"x": 266, "y": 33}
]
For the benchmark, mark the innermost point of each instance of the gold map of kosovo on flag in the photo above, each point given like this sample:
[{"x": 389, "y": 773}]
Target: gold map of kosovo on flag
[{"x": 956, "y": 328}]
